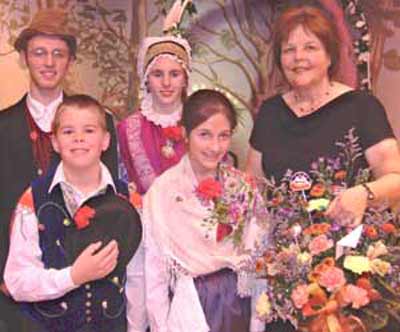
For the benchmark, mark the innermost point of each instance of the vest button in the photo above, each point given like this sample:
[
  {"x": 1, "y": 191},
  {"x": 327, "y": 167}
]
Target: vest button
[
  {"x": 88, "y": 319},
  {"x": 88, "y": 312},
  {"x": 88, "y": 303},
  {"x": 88, "y": 295},
  {"x": 87, "y": 286}
]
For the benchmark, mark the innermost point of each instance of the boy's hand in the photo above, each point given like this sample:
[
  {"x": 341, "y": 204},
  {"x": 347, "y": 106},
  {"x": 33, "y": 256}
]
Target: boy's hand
[{"x": 91, "y": 265}]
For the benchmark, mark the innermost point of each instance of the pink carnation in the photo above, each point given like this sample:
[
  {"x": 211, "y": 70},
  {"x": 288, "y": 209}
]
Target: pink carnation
[
  {"x": 320, "y": 244},
  {"x": 356, "y": 295},
  {"x": 300, "y": 296},
  {"x": 332, "y": 279}
]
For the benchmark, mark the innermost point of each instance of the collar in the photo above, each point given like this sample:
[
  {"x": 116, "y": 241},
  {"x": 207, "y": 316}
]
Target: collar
[
  {"x": 106, "y": 180},
  {"x": 160, "y": 119},
  {"x": 43, "y": 114}
]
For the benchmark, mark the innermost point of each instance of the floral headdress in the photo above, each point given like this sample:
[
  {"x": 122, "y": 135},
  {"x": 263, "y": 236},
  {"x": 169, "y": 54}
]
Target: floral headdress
[
  {"x": 172, "y": 46},
  {"x": 152, "y": 47}
]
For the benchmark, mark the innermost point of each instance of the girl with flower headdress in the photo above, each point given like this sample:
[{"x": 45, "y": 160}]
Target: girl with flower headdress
[
  {"x": 151, "y": 139},
  {"x": 200, "y": 219}
]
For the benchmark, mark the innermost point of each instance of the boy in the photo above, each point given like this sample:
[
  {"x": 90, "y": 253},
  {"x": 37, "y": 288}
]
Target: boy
[
  {"x": 67, "y": 287},
  {"x": 47, "y": 49}
]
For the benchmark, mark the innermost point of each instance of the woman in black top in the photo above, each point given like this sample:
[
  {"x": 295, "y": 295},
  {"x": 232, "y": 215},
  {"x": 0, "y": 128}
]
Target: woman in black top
[{"x": 296, "y": 128}]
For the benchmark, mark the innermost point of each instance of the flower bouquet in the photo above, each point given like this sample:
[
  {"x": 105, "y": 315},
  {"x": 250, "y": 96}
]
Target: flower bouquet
[
  {"x": 232, "y": 200},
  {"x": 323, "y": 276}
]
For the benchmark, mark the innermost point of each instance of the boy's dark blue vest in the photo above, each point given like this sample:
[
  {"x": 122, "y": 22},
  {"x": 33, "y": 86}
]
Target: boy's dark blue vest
[{"x": 101, "y": 303}]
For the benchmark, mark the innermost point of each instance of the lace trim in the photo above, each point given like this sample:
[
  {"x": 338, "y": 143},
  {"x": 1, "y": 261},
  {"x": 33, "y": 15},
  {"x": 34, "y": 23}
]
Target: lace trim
[
  {"x": 144, "y": 169},
  {"x": 163, "y": 120}
]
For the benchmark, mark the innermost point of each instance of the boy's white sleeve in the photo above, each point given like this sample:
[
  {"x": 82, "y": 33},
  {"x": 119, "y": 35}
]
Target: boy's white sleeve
[{"x": 25, "y": 275}]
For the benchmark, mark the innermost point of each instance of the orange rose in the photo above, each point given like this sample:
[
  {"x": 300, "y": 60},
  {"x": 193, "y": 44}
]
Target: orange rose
[
  {"x": 374, "y": 295},
  {"x": 388, "y": 228},
  {"x": 327, "y": 263},
  {"x": 260, "y": 265},
  {"x": 340, "y": 175},
  {"x": 276, "y": 200},
  {"x": 371, "y": 232},
  {"x": 317, "y": 229},
  {"x": 364, "y": 283},
  {"x": 317, "y": 190}
]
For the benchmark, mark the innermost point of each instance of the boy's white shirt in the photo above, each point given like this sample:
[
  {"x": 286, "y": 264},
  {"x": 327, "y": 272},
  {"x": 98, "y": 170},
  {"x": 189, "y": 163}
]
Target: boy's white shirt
[{"x": 25, "y": 275}]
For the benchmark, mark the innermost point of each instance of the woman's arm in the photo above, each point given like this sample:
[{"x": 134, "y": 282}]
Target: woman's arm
[{"x": 384, "y": 161}]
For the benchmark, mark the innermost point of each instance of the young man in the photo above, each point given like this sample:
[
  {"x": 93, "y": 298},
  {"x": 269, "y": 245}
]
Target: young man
[
  {"x": 47, "y": 48},
  {"x": 74, "y": 231}
]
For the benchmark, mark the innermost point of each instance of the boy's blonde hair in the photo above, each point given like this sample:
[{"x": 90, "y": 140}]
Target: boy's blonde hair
[{"x": 79, "y": 102}]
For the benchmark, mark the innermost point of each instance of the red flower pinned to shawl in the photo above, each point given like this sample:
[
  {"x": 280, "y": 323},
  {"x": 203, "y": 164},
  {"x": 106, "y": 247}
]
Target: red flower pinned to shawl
[
  {"x": 209, "y": 189},
  {"x": 174, "y": 133},
  {"x": 223, "y": 230},
  {"x": 83, "y": 215}
]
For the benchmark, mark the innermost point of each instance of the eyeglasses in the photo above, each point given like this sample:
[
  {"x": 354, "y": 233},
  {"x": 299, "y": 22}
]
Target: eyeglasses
[{"x": 40, "y": 54}]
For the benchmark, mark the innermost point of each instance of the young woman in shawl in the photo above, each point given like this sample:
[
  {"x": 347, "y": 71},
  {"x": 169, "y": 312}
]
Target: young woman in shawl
[{"x": 203, "y": 220}]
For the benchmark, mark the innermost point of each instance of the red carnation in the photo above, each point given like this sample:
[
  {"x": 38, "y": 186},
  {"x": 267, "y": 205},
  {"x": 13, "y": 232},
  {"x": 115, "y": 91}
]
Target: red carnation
[
  {"x": 83, "y": 215},
  {"x": 174, "y": 133},
  {"x": 209, "y": 189},
  {"x": 223, "y": 230}
]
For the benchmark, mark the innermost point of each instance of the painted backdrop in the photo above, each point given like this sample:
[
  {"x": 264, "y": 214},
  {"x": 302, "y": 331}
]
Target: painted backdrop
[{"x": 231, "y": 48}]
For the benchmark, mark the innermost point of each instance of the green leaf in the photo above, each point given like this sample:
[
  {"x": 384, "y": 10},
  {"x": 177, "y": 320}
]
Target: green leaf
[
  {"x": 227, "y": 39},
  {"x": 13, "y": 24},
  {"x": 87, "y": 15},
  {"x": 200, "y": 50},
  {"x": 121, "y": 17},
  {"x": 191, "y": 8},
  {"x": 103, "y": 11},
  {"x": 89, "y": 8}
]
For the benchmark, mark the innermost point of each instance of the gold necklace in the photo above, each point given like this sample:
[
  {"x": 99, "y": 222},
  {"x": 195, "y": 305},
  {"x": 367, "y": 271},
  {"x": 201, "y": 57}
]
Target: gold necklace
[{"x": 314, "y": 104}]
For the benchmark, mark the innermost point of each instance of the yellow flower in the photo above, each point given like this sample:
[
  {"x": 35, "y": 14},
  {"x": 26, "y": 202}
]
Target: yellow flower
[
  {"x": 380, "y": 267},
  {"x": 357, "y": 264},
  {"x": 263, "y": 306},
  {"x": 304, "y": 258},
  {"x": 320, "y": 204}
]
